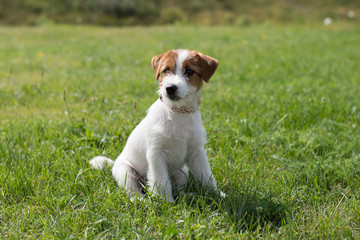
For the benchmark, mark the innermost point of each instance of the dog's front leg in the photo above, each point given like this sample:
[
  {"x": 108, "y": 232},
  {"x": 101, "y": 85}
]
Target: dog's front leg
[
  {"x": 158, "y": 175},
  {"x": 198, "y": 165}
]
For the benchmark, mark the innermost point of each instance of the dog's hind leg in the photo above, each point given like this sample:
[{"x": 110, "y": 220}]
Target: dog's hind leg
[{"x": 128, "y": 178}]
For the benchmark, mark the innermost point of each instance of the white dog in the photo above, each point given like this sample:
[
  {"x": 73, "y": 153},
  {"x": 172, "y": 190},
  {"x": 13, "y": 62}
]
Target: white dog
[{"x": 170, "y": 140}]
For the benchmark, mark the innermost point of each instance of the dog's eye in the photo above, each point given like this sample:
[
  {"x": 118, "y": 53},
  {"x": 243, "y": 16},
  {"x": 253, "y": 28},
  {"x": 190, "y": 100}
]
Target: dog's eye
[
  {"x": 166, "y": 70},
  {"x": 188, "y": 72}
]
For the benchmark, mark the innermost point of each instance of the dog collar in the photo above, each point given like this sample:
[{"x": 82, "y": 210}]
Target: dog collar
[
  {"x": 180, "y": 109},
  {"x": 183, "y": 110}
]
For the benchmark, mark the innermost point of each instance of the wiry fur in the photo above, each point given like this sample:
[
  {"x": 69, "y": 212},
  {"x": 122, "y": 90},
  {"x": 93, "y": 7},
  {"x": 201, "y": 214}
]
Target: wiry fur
[{"x": 167, "y": 144}]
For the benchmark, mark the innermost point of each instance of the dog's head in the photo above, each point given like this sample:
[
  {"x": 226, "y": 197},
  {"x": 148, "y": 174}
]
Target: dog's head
[{"x": 182, "y": 74}]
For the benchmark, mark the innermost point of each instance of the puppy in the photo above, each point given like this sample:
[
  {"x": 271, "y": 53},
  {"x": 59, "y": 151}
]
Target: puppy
[{"x": 170, "y": 140}]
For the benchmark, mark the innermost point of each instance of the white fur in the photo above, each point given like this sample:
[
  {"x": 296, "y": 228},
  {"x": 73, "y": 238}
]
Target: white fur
[
  {"x": 182, "y": 56},
  {"x": 165, "y": 145}
]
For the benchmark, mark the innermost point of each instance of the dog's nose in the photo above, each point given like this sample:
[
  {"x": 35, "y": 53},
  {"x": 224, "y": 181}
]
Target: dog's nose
[{"x": 171, "y": 90}]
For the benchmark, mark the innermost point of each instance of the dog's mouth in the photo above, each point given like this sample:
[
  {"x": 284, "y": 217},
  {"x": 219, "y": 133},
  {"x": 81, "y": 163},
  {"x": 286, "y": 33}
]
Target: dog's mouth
[{"x": 173, "y": 97}]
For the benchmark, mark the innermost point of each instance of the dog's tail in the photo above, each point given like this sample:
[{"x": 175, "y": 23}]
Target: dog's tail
[{"x": 101, "y": 162}]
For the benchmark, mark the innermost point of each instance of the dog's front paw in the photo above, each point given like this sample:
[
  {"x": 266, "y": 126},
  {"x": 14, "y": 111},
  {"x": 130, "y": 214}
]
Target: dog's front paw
[
  {"x": 135, "y": 196},
  {"x": 157, "y": 196},
  {"x": 222, "y": 194},
  {"x": 169, "y": 198}
]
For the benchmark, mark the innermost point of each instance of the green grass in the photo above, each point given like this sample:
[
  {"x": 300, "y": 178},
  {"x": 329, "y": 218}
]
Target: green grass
[{"x": 282, "y": 115}]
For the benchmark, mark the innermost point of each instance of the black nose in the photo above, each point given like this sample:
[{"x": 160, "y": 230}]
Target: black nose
[{"x": 170, "y": 90}]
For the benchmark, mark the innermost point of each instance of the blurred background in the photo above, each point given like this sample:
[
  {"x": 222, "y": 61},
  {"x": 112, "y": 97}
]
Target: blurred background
[{"x": 157, "y": 12}]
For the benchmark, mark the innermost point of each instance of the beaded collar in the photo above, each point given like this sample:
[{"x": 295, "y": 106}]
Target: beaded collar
[{"x": 183, "y": 110}]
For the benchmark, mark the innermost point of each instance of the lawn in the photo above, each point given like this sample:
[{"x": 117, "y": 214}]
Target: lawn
[{"x": 282, "y": 115}]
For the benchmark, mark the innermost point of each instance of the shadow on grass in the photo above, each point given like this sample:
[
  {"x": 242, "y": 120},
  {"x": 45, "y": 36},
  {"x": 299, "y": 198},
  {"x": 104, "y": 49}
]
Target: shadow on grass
[{"x": 247, "y": 211}]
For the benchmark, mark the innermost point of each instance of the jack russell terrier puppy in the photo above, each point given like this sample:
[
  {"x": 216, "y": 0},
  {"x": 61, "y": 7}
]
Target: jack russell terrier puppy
[{"x": 170, "y": 140}]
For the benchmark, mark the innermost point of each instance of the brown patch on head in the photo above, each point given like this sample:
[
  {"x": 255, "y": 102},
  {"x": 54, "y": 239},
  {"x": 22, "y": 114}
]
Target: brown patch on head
[
  {"x": 192, "y": 63},
  {"x": 203, "y": 68},
  {"x": 164, "y": 64}
]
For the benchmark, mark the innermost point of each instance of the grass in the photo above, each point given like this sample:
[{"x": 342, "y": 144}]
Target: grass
[{"x": 282, "y": 115}]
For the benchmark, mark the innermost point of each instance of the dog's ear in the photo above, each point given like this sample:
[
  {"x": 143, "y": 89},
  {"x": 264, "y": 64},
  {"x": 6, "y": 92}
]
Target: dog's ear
[
  {"x": 208, "y": 66},
  {"x": 156, "y": 65}
]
